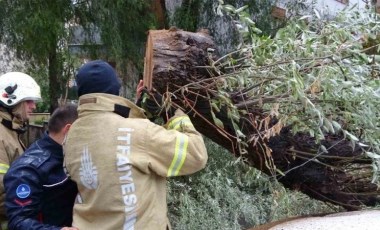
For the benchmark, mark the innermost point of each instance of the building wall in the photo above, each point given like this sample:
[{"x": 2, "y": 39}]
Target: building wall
[
  {"x": 328, "y": 7},
  {"x": 334, "y": 6},
  {"x": 8, "y": 61}
]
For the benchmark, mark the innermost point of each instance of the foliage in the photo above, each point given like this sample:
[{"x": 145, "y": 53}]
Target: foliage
[
  {"x": 34, "y": 29},
  {"x": 123, "y": 25},
  {"x": 40, "y": 73},
  {"x": 314, "y": 76},
  {"x": 186, "y": 16},
  {"x": 260, "y": 12},
  {"x": 228, "y": 194},
  {"x": 39, "y": 33}
]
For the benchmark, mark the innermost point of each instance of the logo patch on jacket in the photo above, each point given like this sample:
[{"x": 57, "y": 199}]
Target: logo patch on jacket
[
  {"x": 88, "y": 172},
  {"x": 23, "y": 191}
]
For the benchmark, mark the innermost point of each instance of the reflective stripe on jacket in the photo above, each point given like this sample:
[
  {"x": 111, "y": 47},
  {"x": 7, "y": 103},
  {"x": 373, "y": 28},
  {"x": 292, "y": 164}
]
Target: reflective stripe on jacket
[{"x": 121, "y": 164}]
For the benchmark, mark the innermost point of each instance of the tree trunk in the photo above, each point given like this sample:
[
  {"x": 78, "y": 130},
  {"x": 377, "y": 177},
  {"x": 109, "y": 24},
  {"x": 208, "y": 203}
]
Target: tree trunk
[
  {"x": 54, "y": 88},
  {"x": 180, "y": 62}
]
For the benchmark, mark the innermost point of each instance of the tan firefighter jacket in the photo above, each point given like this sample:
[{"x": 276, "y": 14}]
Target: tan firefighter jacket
[
  {"x": 11, "y": 147},
  {"x": 121, "y": 163}
]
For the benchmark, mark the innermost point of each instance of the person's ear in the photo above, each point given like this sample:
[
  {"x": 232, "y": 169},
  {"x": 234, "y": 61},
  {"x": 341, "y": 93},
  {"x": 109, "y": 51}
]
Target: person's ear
[{"x": 66, "y": 128}]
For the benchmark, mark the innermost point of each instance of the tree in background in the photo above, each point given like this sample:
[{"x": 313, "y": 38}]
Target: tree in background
[
  {"x": 123, "y": 25},
  {"x": 37, "y": 32}
]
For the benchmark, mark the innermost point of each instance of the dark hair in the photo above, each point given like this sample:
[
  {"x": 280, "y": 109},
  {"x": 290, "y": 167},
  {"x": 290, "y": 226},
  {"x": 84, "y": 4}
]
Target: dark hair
[{"x": 62, "y": 116}]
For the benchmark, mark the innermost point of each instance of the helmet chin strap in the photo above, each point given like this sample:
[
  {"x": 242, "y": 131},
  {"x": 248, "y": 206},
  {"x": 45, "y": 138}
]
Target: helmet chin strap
[{"x": 9, "y": 125}]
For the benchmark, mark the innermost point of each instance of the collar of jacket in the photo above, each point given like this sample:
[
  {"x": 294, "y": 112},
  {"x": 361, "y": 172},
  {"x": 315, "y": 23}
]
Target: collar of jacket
[
  {"x": 110, "y": 103},
  {"x": 11, "y": 123},
  {"x": 46, "y": 143}
]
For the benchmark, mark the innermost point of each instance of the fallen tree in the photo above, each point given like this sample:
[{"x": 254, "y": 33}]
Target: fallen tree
[{"x": 285, "y": 113}]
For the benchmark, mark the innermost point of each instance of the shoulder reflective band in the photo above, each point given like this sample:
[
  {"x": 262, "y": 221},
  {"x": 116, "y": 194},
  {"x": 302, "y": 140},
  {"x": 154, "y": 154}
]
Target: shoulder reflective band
[
  {"x": 3, "y": 168},
  {"x": 179, "y": 155},
  {"x": 179, "y": 121}
]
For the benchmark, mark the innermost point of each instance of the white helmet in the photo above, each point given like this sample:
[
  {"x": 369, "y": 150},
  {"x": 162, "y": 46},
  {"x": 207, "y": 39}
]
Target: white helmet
[{"x": 16, "y": 87}]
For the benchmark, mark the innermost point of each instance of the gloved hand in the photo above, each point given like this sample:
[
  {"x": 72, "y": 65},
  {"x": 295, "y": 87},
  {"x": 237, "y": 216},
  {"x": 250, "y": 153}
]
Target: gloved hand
[
  {"x": 150, "y": 102},
  {"x": 154, "y": 105}
]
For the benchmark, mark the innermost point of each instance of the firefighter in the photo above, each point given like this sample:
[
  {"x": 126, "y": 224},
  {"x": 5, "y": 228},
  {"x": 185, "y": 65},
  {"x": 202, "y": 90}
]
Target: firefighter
[
  {"x": 18, "y": 95},
  {"x": 120, "y": 160},
  {"x": 39, "y": 194}
]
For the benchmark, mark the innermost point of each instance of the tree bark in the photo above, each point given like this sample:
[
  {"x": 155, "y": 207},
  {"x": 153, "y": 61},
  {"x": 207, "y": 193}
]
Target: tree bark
[{"x": 180, "y": 62}]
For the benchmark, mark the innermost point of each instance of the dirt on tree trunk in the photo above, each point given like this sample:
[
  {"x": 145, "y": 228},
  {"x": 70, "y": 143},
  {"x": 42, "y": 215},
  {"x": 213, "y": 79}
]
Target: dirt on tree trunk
[{"x": 181, "y": 63}]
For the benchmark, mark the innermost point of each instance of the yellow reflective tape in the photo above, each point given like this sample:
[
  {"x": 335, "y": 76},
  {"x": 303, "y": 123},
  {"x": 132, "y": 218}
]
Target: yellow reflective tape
[
  {"x": 176, "y": 121},
  {"x": 179, "y": 155},
  {"x": 183, "y": 123},
  {"x": 179, "y": 121},
  {"x": 3, "y": 168}
]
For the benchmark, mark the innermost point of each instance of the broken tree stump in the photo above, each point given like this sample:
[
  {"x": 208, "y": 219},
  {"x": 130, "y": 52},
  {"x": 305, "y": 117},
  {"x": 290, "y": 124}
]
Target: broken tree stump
[{"x": 180, "y": 64}]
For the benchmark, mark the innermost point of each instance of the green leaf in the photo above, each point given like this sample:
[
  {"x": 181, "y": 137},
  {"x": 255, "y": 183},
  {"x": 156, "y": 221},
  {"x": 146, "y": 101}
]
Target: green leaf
[
  {"x": 336, "y": 126},
  {"x": 328, "y": 125},
  {"x": 350, "y": 136},
  {"x": 217, "y": 121},
  {"x": 241, "y": 9}
]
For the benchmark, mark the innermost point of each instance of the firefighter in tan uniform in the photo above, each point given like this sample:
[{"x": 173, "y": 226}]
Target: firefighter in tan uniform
[
  {"x": 18, "y": 94},
  {"x": 120, "y": 160}
]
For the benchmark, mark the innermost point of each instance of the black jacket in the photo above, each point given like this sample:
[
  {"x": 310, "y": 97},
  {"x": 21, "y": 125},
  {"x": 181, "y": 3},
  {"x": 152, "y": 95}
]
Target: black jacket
[{"x": 39, "y": 195}]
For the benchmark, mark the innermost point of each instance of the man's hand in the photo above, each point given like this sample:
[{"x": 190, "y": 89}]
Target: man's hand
[
  {"x": 139, "y": 89},
  {"x": 152, "y": 102},
  {"x": 69, "y": 228}
]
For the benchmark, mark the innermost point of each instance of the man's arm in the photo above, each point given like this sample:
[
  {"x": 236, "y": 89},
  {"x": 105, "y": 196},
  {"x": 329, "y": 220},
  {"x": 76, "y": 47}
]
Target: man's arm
[
  {"x": 177, "y": 149},
  {"x": 23, "y": 189},
  {"x": 4, "y": 166}
]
